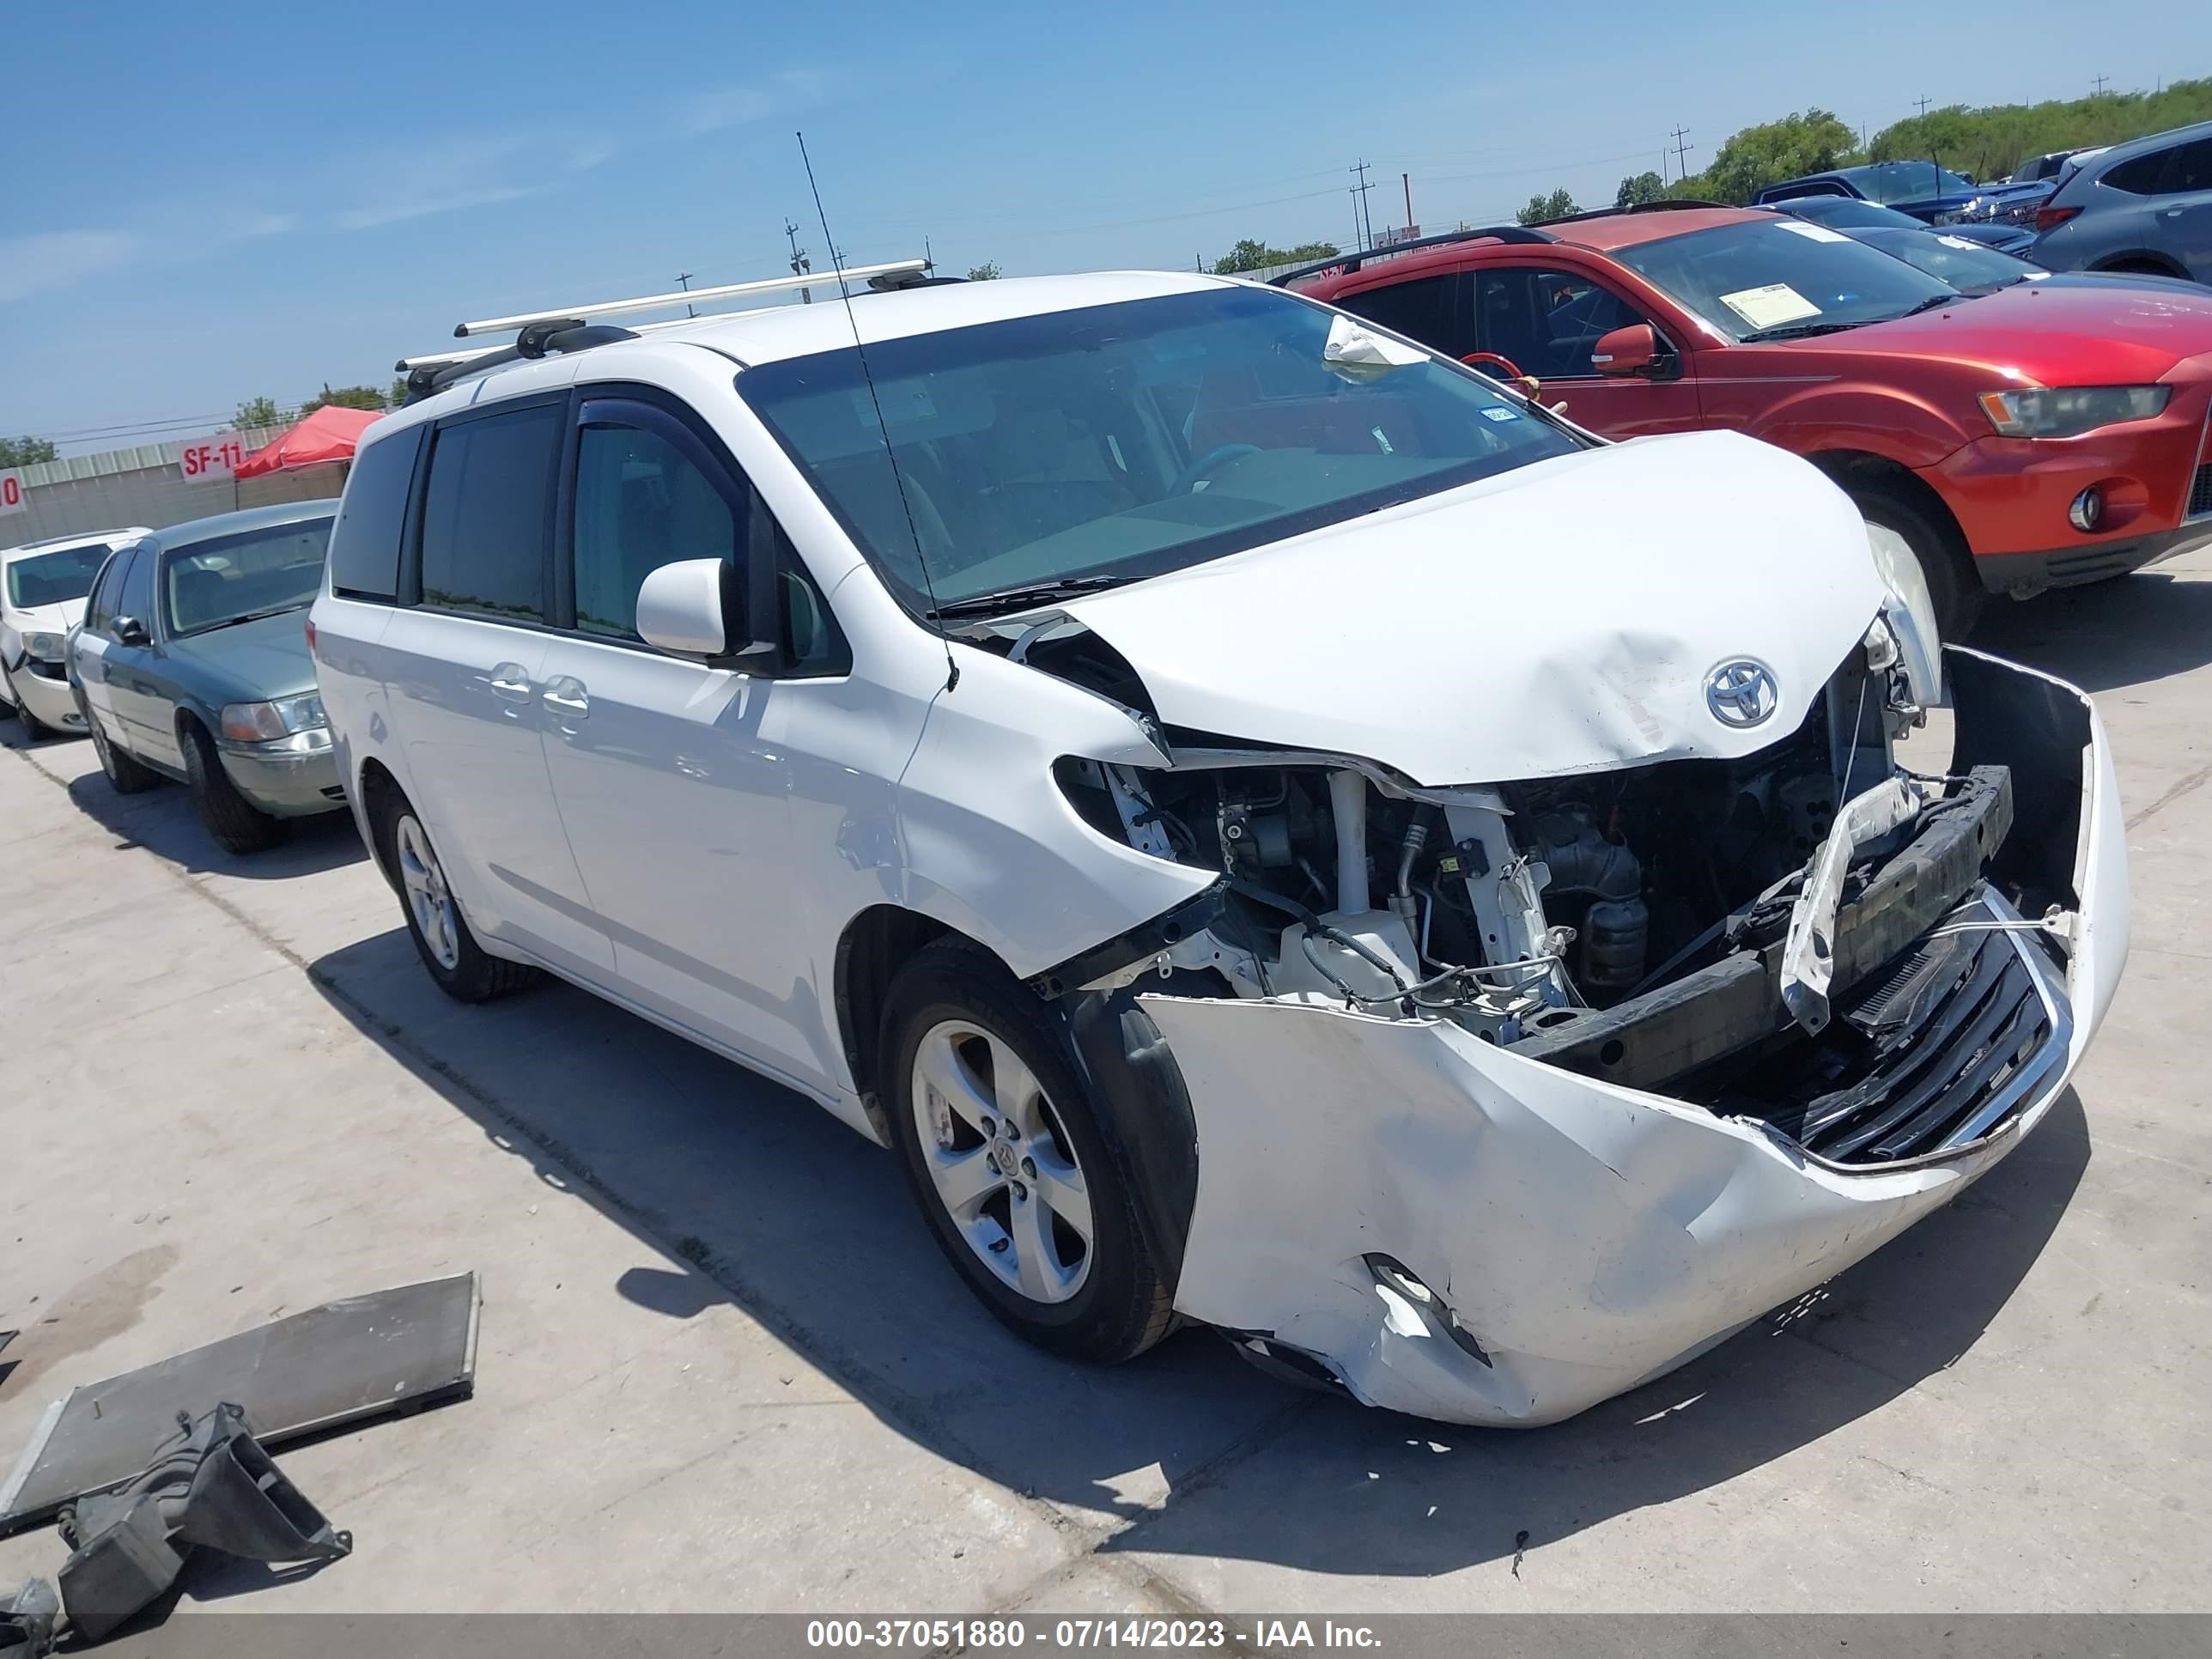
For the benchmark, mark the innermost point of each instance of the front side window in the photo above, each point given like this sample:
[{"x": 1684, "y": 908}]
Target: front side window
[
  {"x": 1777, "y": 279},
  {"x": 54, "y": 578},
  {"x": 235, "y": 579},
  {"x": 1117, "y": 441},
  {"x": 1546, "y": 322},
  {"x": 2191, "y": 170},
  {"x": 135, "y": 598},
  {"x": 640, "y": 503},
  {"x": 99, "y": 610},
  {"x": 486, "y": 512}
]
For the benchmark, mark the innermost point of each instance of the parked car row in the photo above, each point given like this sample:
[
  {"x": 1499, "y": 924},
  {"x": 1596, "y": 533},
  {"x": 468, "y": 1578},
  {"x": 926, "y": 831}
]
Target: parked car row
[
  {"x": 2013, "y": 436},
  {"x": 1273, "y": 828}
]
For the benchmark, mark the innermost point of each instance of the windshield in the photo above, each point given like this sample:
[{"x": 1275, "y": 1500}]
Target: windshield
[
  {"x": 54, "y": 578},
  {"x": 1119, "y": 442},
  {"x": 1769, "y": 279},
  {"x": 1849, "y": 213},
  {"x": 1907, "y": 181},
  {"x": 255, "y": 572},
  {"x": 1969, "y": 266}
]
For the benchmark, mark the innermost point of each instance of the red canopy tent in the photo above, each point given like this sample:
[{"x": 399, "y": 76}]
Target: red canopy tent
[{"x": 328, "y": 434}]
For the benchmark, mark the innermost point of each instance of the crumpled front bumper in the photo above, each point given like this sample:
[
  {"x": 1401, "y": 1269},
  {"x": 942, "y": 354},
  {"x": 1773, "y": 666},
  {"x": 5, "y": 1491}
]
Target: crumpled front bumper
[{"x": 1573, "y": 1238}]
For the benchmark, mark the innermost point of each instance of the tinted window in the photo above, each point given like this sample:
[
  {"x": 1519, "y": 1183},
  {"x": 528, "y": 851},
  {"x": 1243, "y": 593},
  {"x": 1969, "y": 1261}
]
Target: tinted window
[
  {"x": 135, "y": 598},
  {"x": 1424, "y": 309},
  {"x": 54, "y": 578},
  {"x": 1546, "y": 321},
  {"x": 1849, "y": 213},
  {"x": 485, "y": 511},
  {"x": 2138, "y": 176},
  {"x": 1117, "y": 441},
  {"x": 1907, "y": 181},
  {"x": 2191, "y": 169},
  {"x": 255, "y": 572},
  {"x": 99, "y": 611},
  {"x": 365, "y": 544},
  {"x": 640, "y": 503}
]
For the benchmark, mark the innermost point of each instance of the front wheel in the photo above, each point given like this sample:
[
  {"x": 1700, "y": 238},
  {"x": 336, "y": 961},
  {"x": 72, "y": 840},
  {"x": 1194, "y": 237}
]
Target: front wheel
[
  {"x": 237, "y": 824},
  {"x": 1953, "y": 584},
  {"x": 1006, "y": 1159}
]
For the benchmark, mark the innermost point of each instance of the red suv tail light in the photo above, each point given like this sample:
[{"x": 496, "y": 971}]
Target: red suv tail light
[{"x": 2050, "y": 218}]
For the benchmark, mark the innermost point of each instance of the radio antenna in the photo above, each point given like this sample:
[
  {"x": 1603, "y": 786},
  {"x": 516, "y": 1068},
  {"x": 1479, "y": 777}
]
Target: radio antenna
[{"x": 890, "y": 455}]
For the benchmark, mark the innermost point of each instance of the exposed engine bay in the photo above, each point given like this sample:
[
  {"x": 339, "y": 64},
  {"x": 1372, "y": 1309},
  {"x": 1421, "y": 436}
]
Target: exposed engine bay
[{"x": 1794, "y": 936}]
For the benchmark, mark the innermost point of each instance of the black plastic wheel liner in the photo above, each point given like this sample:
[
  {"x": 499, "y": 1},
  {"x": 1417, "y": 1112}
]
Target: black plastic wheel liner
[{"x": 1142, "y": 1105}]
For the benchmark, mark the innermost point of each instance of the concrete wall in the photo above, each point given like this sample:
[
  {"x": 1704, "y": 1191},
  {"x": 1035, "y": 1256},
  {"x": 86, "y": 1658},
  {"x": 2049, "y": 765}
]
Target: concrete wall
[{"x": 147, "y": 485}]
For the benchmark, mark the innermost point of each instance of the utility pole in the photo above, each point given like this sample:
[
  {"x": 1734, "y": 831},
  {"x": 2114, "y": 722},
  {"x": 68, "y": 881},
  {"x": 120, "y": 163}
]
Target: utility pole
[
  {"x": 1407, "y": 179},
  {"x": 684, "y": 281},
  {"x": 1681, "y": 152},
  {"x": 2100, "y": 84},
  {"x": 1922, "y": 102},
  {"x": 1360, "y": 190},
  {"x": 800, "y": 264}
]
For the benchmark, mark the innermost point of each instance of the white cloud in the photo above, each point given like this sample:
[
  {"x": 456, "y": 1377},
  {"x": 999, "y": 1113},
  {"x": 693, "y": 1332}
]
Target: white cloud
[
  {"x": 730, "y": 106},
  {"x": 50, "y": 258},
  {"x": 395, "y": 208}
]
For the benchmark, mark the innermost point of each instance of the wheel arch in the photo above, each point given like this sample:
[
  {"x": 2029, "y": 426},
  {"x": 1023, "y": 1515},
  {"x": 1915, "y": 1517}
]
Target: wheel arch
[
  {"x": 1854, "y": 470},
  {"x": 2141, "y": 259},
  {"x": 874, "y": 946},
  {"x": 374, "y": 792}
]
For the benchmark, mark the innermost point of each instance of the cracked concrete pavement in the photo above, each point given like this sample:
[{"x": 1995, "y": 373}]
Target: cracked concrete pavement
[{"x": 722, "y": 1368}]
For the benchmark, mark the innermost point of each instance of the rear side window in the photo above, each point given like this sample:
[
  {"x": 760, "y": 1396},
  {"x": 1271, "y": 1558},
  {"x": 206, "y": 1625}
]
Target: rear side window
[
  {"x": 2139, "y": 175},
  {"x": 1426, "y": 309},
  {"x": 485, "y": 513},
  {"x": 365, "y": 545}
]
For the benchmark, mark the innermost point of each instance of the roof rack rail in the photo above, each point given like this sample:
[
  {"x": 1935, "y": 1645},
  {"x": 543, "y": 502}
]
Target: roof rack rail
[
  {"x": 1666, "y": 206},
  {"x": 1348, "y": 262},
  {"x": 570, "y": 327}
]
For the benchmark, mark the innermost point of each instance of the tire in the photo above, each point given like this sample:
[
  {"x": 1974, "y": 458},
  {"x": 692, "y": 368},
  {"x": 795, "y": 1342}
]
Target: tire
[
  {"x": 464, "y": 970},
  {"x": 125, "y": 775},
  {"x": 1952, "y": 582},
  {"x": 35, "y": 728},
  {"x": 1006, "y": 1206},
  {"x": 237, "y": 824}
]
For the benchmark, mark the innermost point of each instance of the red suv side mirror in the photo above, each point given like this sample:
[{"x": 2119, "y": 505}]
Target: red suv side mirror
[{"x": 1631, "y": 350}]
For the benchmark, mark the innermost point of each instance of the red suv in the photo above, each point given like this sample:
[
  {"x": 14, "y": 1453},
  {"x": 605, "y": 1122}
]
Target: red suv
[{"x": 2044, "y": 435}]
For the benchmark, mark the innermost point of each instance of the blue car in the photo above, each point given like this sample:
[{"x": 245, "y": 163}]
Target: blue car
[
  {"x": 1853, "y": 215},
  {"x": 1921, "y": 189}
]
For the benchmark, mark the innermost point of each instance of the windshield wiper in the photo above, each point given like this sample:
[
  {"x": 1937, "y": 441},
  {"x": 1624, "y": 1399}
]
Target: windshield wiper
[
  {"x": 1021, "y": 598},
  {"x": 1796, "y": 332},
  {"x": 1928, "y": 304},
  {"x": 249, "y": 616}
]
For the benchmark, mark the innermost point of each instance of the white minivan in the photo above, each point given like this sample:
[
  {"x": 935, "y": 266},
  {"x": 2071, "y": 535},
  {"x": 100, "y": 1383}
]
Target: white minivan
[{"x": 1275, "y": 830}]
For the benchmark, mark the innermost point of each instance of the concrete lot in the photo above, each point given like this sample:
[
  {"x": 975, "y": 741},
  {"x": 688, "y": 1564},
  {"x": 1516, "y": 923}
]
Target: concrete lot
[{"x": 723, "y": 1368}]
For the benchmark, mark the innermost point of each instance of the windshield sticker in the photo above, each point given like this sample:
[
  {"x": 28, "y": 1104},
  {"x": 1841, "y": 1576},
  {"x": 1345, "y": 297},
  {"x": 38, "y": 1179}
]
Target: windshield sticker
[
  {"x": 1771, "y": 306},
  {"x": 1958, "y": 243},
  {"x": 1813, "y": 232},
  {"x": 1496, "y": 413}
]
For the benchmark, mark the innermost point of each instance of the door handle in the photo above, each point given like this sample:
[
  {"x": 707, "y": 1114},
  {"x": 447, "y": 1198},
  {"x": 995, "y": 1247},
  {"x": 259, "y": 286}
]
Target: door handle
[
  {"x": 510, "y": 681},
  {"x": 565, "y": 694}
]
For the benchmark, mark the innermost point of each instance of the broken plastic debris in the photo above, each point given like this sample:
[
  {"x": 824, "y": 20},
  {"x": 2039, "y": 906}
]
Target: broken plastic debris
[{"x": 1361, "y": 354}]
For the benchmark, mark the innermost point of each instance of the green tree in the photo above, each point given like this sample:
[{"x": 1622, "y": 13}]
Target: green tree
[
  {"x": 1991, "y": 140},
  {"x": 988, "y": 271},
  {"x": 1641, "y": 188},
  {"x": 348, "y": 396},
  {"x": 257, "y": 411},
  {"x": 1811, "y": 140},
  {"x": 1540, "y": 209},
  {"x": 26, "y": 451},
  {"x": 398, "y": 391},
  {"x": 1248, "y": 255}
]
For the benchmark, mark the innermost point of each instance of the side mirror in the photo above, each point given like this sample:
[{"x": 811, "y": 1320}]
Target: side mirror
[
  {"x": 693, "y": 609},
  {"x": 129, "y": 630},
  {"x": 1631, "y": 350}
]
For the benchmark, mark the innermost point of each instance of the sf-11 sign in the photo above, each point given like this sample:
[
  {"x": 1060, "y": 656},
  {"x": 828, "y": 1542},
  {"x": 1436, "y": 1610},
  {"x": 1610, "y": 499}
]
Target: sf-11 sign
[{"x": 211, "y": 460}]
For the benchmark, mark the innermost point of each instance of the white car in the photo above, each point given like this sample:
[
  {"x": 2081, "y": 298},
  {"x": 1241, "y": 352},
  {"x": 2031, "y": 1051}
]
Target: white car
[
  {"x": 1272, "y": 828},
  {"x": 42, "y": 590}
]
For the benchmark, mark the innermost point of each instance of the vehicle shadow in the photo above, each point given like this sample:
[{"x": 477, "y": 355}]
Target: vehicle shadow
[
  {"x": 743, "y": 1192},
  {"x": 162, "y": 820},
  {"x": 2107, "y": 637}
]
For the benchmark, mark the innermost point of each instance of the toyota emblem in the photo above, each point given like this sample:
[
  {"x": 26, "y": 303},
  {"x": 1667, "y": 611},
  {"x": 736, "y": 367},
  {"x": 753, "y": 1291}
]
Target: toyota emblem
[{"x": 1741, "y": 693}]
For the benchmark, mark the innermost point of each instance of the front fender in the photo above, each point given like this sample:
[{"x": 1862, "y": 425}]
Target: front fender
[{"x": 1897, "y": 425}]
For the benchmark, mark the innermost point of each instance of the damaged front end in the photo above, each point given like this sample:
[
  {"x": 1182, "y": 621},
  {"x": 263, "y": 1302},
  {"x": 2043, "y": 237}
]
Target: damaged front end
[{"x": 1506, "y": 1098}]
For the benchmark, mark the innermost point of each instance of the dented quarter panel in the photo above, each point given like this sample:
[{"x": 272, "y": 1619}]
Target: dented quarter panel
[{"x": 1589, "y": 1238}]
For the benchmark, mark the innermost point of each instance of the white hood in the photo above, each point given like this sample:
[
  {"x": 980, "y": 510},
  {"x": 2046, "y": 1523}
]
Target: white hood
[
  {"x": 48, "y": 618},
  {"x": 1560, "y": 618}
]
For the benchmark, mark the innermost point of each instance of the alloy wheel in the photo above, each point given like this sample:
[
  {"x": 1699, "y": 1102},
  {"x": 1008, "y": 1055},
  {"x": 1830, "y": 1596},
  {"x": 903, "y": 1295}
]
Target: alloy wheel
[{"x": 428, "y": 899}]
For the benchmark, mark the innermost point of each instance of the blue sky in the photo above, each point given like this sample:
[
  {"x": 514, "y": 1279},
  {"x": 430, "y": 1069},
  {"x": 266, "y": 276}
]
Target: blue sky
[{"x": 212, "y": 203}]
